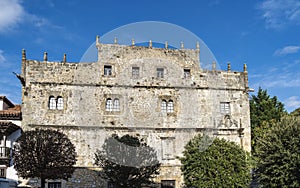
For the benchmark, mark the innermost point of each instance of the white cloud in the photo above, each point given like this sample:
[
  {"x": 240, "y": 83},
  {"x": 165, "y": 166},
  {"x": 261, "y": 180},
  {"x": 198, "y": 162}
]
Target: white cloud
[
  {"x": 287, "y": 50},
  {"x": 11, "y": 13},
  {"x": 281, "y": 76},
  {"x": 2, "y": 58},
  {"x": 292, "y": 102},
  {"x": 279, "y": 13}
]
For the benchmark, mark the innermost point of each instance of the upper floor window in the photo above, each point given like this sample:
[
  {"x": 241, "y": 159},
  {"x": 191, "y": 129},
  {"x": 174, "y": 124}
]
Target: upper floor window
[
  {"x": 160, "y": 72},
  {"x": 109, "y": 105},
  {"x": 225, "y": 107},
  {"x": 116, "y": 105},
  {"x": 52, "y": 103},
  {"x": 60, "y": 103},
  {"x": 135, "y": 72},
  {"x": 56, "y": 103},
  {"x": 186, "y": 73},
  {"x": 167, "y": 106},
  {"x": 170, "y": 107},
  {"x": 112, "y": 105},
  {"x": 107, "y": 70},
  {"x": 163, "y": 106}
]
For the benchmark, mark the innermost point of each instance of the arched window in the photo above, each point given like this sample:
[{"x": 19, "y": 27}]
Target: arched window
[
  {"x": 52, "y": 103},
  {"x": 164, "y": 106},
  {"x": 170, "y": 107},
  {"x": 60, "y": 103},
  {"x": 116, "y": 106},
  {"x": 109, "y": 105}
]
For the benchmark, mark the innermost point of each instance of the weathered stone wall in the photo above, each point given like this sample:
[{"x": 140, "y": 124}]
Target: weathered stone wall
[{"x": 84, "y": 89}]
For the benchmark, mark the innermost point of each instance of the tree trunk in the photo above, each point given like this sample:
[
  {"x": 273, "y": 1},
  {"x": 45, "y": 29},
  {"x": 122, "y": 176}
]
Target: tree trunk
[{"x": 43, "y": 181}]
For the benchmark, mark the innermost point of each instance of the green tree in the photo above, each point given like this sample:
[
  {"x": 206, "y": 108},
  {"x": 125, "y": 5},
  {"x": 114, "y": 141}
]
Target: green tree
[
  {"x": 221, "y": 164},
  {"x": 264, "y": 112},
  {"x": 296, "y": 112},
  {"x": 47, "y": 154},
  {"x": 279, "y": 155},
  {"x": 127, "y": 162}
]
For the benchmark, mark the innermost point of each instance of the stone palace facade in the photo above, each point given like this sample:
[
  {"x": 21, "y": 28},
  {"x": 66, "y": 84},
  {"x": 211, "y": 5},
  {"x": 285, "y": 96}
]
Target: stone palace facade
[{"x": 159, "y": 94}]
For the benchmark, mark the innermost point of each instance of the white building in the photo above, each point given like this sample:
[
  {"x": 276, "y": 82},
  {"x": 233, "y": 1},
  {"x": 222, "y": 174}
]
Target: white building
[{"x": 10, "y": 130}]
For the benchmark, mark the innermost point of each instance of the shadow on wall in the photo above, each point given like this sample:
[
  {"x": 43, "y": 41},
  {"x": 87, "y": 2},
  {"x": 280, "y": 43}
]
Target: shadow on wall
[{"x": 82, "y": 177}]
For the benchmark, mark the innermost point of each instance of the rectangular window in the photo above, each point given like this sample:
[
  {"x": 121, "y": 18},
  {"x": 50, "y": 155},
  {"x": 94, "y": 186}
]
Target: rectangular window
[
  {"x": 54, "y": 185},
  {"x": 168, "y": 148},
  {"x": 186, "y": 73},
  {"x": 160, "y": 72},
  {"x": 116, "y": 105},
  {"x": 107, "y": 70},
  {"x": 110, "y": 185},
  {"x": 2, "y": 172},
  {"x": 135, "y": 72},
  {"x": 52, "y": 103},
  {"x": 170, "y": 106},
  {"x": 167, "y": 183},
  {"x": 225, "y": 107},
  {"x": 60, "y": 103},
  {"x": 163, "y": 106}
]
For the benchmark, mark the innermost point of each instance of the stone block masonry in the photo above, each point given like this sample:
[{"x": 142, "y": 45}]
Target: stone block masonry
[{"x": 161, "y": 95}]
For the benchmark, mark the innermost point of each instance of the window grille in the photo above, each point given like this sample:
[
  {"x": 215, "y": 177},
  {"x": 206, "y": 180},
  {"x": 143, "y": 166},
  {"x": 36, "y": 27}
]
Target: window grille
[
  {"x": 107, "y": 70},
  {"x": 160, "y": 73},
  {"x": 164, "y": 106},
  {"x": 109, "y": 105},
  {"x": 60, "y": 103},
  {"x": 52, "y": 103}
]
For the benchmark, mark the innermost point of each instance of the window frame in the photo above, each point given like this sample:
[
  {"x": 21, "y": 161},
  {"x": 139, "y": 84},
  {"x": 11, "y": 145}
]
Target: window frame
[
  {"x": 116, "y": 105},
  {"x": 59, "y": 103},
  {"x": 109, "y": 105},
  {"x": 135, "y": 72},
  {"x": 163, "y": 106},
  {"x": 170, "y": 106},
  {"x": 225, "y": 108},
  {"x": 160, "y": 72},
  {"x": 107, "y": 70},
  {"x": 186, "y": 73},
  {"x": 54, "y": 185},
  {"x": 2, "y": 172},
  {"x": 52, "y": 103},
  {"x": 168, "y": 183}
]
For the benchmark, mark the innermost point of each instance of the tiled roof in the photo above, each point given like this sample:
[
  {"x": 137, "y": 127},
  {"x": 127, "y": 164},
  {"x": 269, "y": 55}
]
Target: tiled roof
[
  {"x": 5, "y": 99},
  {"x": 13, "y": 113},
  {"x": 7, "y": 127}
]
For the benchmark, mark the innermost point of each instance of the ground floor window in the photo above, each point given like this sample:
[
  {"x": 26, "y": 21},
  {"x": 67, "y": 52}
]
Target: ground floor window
[
  {"x": 2, "y": 172},
  {"x": 54, "y": 185},
  {"x": 167, "y": 183}
]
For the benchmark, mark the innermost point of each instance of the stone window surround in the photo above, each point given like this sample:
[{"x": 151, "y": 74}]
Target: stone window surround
[
  {"x": 112, "y": 97},
  {"x": 167, "y": 154},
  {"x": 135, "y": 72},
  {"x": 108, "y": 70},
  {"x": 56, "y": 102},
  {"x": 225, "y": 108},
  {"x": 169, "y": 110},
  {"x": 168, "y": 183},
  {"x": 164, "y": 72},
  {"x": 112, "y": 105},
  {"x": 186, "y": 73},
  {"x": 167, "y": 106}
]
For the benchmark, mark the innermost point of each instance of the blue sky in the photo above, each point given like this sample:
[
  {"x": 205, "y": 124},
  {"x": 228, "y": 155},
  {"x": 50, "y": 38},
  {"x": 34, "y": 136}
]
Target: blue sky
[{"x": 262, "y": 33}]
